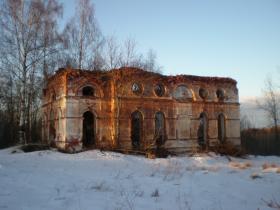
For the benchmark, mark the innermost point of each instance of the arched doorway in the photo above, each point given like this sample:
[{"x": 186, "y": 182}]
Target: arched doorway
[
  {"x": 221, "y": 128},
  {"x": 159, "y": 129},
  {"x": 202, "y": 130},
  {"x": 136, "y": 129},
  {"x": 88, "y": 129}
]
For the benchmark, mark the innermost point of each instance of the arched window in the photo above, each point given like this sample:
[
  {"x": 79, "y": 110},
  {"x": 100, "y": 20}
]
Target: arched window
[
  {"x": 136, "y": 129},
  {"x": 203, "y": 93},
  {"x": 136, "y": 88},
  {"x": 88, "y": 91},
  {"x": 52, "y": 131},
  {"x": 45, "y": 127},
  {"x": 220, "y": 93},
  {"x": 159, "y": 129},
  {"x": 159, "y": 90},
  {"x": 59, "y": 120},
  {"x": 182, "y": 93},
  {"x": 202, "y": 130},
  {"x": 221, "y": 128}
]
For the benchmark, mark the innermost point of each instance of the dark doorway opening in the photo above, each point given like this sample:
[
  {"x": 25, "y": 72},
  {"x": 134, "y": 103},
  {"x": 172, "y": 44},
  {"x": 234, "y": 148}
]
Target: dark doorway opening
[
  {"x": 88, "y": 129},
  {"x": 202, "y": 130},
  {"x": 136, "y": 129},
  {"x": 159, "y": 129},
  {"x": 221, "y": 128}
]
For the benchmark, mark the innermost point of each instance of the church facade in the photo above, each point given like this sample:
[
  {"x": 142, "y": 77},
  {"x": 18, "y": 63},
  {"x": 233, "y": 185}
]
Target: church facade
[{"x": 131, "y": 109}]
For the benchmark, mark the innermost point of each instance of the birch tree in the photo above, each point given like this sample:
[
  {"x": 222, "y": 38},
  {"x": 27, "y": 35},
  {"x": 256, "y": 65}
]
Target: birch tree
[
  {"x": 82, "y": 36},
  {"x": 271, "y": 103},
  {"x": 23, "y": 48}
]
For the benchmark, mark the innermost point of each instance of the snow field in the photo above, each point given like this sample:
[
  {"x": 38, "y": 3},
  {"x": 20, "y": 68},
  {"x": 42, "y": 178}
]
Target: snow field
[{"x": 97, "y": 180}]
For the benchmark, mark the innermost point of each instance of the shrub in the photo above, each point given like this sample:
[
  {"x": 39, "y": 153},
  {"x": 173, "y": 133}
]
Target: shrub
[
  {"x": 158, "y": 152},
  {"x": 34, "y": 147},
  {"x": 227, "y": 148},
  {"x": 155, "y": 193},
  {"x": 256, "y": 176}
]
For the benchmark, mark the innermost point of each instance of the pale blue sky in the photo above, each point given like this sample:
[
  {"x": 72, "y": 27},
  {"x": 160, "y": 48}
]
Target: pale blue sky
[{"x": 232, "y": 38}]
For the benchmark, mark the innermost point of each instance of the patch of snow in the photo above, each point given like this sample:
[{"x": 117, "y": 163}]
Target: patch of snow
[{"x": 107, "y": 180}]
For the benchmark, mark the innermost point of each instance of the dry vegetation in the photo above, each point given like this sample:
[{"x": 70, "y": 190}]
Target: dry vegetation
[{"x": 260, "y": 141}]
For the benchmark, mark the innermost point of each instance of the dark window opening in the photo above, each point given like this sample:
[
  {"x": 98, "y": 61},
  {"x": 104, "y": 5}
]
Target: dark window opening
[
  {"x": 221, "y": 128},
  {"x": 88, "y": 129},
  {"x": 136, "y": 129},
  {"x": 88, "y": 91},
  {"x": 220, "y": 94},
  {"x": 136, "y": 88},
  {"x": 52, "y": 131},
  {"x": 203, "y": 93},
  {"x": 53, "y": 96},
  {"x": 44, "y": 92},
  {"x": 159, "y": 129},
  {"x": 159, "y": 90},
  {"x": 202, "y": 130}
]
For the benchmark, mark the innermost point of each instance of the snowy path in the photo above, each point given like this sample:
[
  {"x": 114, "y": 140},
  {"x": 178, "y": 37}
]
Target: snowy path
[{"x": 95, "y": 180}]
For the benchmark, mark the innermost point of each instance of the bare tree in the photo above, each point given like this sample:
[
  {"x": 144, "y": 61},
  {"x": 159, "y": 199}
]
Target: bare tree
[
  {"x": 129, "y": 56},
  {"x": 23, "y": 50},
  {"x": 245, "y": 123},
  {"x": 150, "y": 63},
  {"x": 271, "y": 103},
  {"x": 82, "y": 36},
  {"x": 112, "y": 53},
  {"x": 51, "y": 39}
]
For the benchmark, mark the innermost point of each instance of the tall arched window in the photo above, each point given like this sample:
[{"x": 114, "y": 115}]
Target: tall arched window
[
  {"x": 136, "y": 129},
  {"x": 59, "y": 120},
  {"x": 221, "y": 128},
  {"x": 45, "y": 127},
  {"x": 202, "y": 130},
  {"x": 159, "y": 129},
  {"x": 52, "y": 131}
]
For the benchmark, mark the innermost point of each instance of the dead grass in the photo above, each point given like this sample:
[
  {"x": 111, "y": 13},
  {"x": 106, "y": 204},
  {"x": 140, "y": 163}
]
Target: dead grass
[
  {"x": 227, "y": 148},
  {"x": 272, "y": 204},
  {"x": 155, "y": 193},
  {"x": 268, "y": 166},
  {"x": 240, "y": 166},
  {"x": 203, "y": 168},
  {"x": 255, "y": 176},
  {"x": 34, "y": 147}
]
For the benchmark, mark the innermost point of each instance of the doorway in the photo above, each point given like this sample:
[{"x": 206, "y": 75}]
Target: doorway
[
  {"x": 136, "y": 129},
  {"x": 88, "y": 129}
]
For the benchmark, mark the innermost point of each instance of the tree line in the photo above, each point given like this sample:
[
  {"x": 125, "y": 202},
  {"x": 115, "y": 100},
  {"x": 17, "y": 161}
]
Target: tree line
[
  {"x": 34, "y": 43},
  {"x": 265, "y": 141}
]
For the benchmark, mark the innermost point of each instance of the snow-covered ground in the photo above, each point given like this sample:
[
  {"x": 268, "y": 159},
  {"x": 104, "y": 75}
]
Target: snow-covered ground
[{"x": 96, "y": 180}]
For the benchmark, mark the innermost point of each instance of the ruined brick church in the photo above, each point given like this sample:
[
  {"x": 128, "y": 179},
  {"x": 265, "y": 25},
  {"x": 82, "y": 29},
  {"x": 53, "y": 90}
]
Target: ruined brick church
[{"x": 132, "y": 109}]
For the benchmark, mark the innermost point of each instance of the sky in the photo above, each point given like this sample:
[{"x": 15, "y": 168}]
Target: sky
[{"x": 228, "y": 38}]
